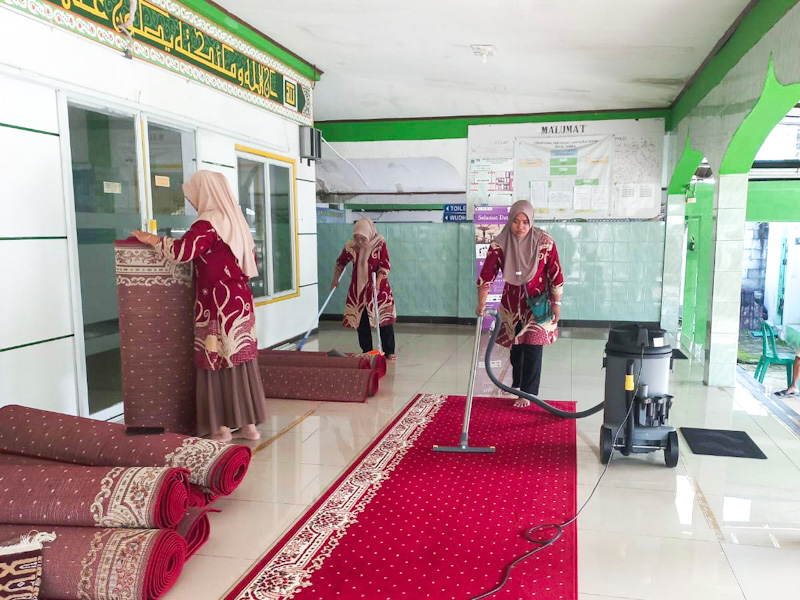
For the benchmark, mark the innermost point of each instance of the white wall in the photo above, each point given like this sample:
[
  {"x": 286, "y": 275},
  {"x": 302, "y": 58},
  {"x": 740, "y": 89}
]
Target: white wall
[{"x": 36, "y": 301}]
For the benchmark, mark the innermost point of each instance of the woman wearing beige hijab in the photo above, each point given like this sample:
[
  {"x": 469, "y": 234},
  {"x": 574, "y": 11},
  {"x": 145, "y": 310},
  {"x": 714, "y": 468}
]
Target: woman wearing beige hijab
[
  {"x": 528, "y": 258},
  {"x": 219, "y": 243},
  {"x": 367, "y": 250}
]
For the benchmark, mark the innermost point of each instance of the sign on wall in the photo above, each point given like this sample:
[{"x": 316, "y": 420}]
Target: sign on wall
[
  {"x": 171, "y": 36},
  {"x": 454, "y": 213},
  {"x": 489, "y": 222}
]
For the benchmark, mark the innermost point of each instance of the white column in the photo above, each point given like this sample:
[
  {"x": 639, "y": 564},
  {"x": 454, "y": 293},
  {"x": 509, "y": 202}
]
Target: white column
[
  {"x": 673, "y": 263},
  {"x": 722, "y": 341}
]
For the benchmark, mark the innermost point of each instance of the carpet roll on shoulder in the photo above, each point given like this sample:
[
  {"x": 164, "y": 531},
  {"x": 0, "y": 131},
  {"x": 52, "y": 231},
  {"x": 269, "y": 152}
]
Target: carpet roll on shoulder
[
  {"x": 85, "y": 563},
  {"x": 216, "y": 467},
  {"x": 76, "y": 495}
]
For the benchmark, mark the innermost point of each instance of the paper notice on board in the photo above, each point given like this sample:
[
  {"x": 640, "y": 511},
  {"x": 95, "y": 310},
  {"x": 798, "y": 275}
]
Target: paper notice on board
[
  {"x": 627, "y": 192},
  {"x": 539, "y": 194},
  {"x": 645, "y": 195},
  {"x": 600, "y": 197},
  {"x": 560, "y": 200},
  {"x": 582, "y": 197}
]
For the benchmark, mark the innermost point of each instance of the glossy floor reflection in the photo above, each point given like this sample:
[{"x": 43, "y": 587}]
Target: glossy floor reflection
[{"x": 712, "y": 528}]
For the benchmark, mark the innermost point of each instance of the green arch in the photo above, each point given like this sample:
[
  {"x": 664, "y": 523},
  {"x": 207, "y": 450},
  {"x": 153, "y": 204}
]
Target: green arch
[
  {"x": 775, "y": 101},
  {"x": 687, "y": 165}
]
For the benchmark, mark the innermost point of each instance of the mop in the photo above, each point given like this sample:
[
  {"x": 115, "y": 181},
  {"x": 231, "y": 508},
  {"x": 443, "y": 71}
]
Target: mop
[
  {"x": 464, "y": 446},
  {"x": 303, "y": 341}
]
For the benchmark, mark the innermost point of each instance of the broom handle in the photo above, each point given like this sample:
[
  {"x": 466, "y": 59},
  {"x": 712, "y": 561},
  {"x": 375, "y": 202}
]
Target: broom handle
[
  {"x": 377, "y": 316},
  {"x": 321, "y": 310}
]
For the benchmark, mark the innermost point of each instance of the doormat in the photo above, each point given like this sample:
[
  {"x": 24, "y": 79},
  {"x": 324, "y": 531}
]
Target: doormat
[
  {"x": 720, "y": 442},
  {"x": 678, "y": 355}
]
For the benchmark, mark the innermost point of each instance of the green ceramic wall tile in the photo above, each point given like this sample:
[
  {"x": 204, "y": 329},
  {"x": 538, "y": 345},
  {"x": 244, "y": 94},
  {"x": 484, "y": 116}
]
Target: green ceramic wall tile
[{"x": 605, "y": 251}]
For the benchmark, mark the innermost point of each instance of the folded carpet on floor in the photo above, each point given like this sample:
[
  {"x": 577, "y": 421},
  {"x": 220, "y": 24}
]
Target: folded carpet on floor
[
  {"x": 89, "y": 563},
  {"x": 156, "y": 327},
  {"x": 215, "y": 468},
  {"x": 405, "y": 522}
]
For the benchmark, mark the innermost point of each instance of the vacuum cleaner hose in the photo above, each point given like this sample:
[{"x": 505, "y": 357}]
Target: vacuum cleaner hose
[{"x": 541, "y": 403}]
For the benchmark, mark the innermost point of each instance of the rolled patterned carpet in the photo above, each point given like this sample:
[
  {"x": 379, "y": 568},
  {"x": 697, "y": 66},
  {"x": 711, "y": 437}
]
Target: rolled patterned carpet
[
  {"x": 85, "y": 563},
  {"x": 216, "y": 467},
  {"x": 76, "y": 495},
  {"x": 312, "y": 383},
  {"x": 156, "y": 327},
  {"x": 377, "y": 362},
  {"x": 194, "y": 528},
  {"x": 311, "y": 359}
]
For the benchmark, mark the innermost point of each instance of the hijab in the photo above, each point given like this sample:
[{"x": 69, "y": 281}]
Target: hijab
[
  {"x": 366, "y": 228},
  {"x": 211, "y": 195},
  {"x": 520, "y": 255}
]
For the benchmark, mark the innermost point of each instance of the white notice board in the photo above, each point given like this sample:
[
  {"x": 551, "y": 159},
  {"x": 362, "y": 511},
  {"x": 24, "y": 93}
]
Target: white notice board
[{"x": 609, "y": 169}]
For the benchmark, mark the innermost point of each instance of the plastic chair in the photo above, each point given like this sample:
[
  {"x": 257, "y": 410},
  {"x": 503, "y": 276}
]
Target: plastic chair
[{"x": 769, "y": 356}]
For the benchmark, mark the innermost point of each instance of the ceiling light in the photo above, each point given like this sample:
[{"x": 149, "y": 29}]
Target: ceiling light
[{"x": 484, "y": 51}]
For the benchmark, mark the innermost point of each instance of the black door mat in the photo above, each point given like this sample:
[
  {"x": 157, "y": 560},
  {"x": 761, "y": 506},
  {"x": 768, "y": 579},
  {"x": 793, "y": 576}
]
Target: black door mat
[
  {"x": 720, "y": 442},
  {"x": 678, "y": 355}
]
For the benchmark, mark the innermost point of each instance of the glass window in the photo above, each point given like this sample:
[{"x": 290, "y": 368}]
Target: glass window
[
  {"x": 266, "y": 198},
  {"x": 252, "y": 199},
  {"x": 172, "y": 161}
]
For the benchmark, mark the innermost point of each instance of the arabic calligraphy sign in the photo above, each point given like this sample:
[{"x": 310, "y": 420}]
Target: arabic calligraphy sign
[{"x": 170, "y": 35}]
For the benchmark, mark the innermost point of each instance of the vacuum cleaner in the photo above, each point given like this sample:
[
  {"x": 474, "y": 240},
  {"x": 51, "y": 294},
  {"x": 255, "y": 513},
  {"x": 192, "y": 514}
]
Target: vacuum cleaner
[{"x": 636, "y": 406}]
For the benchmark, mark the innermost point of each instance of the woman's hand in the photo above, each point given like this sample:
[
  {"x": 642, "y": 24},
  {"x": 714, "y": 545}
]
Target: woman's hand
[
  {"x": 145, "y": 238},
  {"x": 381, "y": 276},
  {"x": 556, "y": 313},
  {"x": 480, "y": 310}
]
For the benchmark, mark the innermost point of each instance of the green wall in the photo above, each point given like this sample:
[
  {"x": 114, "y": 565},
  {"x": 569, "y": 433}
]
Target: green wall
[
  {"x": 612, "y": 271},
  {"x": 767, "y": 201}
]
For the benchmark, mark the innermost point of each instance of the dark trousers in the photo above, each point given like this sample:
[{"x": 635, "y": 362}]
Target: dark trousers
[
  {"x": 526, "y": 366},
  {"x": 365, "y": 335}
]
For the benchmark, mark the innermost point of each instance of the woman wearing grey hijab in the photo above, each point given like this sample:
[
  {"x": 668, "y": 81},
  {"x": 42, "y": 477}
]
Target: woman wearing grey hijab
[{"x": 528, "y": 258}]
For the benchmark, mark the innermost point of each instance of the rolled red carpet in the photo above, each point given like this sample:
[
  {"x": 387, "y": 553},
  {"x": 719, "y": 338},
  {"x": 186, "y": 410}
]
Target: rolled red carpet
[
  {"x": 76, "y": 495},
  {"x": 314, "y": 383},
  {"x": 87, "y": 563},
  {"x": 215, "y": 466},
  {"x": 194, "y": 528},
  {"x": 311, "y": 359}
]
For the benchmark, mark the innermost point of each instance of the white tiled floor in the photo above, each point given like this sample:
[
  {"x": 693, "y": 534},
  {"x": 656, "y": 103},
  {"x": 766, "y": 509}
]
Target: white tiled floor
[{"x": 713, "y": 528}]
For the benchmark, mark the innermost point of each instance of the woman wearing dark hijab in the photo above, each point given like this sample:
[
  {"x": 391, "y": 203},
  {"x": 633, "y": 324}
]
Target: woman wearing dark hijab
[{"x": 528, "y": 258}]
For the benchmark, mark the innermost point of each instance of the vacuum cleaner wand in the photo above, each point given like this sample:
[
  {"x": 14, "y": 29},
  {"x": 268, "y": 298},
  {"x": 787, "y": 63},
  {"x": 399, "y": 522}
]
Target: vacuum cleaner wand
[
  {"x": 539, "y": 402},
  {"x": 464, "y": 446}
]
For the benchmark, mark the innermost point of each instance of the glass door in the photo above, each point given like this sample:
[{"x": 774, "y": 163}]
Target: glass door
[
  {"x": 171, "y": 161},
  {"x": 107, "y": 207}
]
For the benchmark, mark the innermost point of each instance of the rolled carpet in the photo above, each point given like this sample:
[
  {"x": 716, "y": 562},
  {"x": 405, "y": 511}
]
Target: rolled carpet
[
  {"x": 278, "y": 358},
  {"x": 214, "y": 466},
  {"x": 80, "y": 496},
  {"x": 194, "y": 528},
  {"x": 156, "y": 328},
  {"x": 312, "y": 383},
  {"x": 85, "y": 563},
  {"x": 376, "y": 362}
]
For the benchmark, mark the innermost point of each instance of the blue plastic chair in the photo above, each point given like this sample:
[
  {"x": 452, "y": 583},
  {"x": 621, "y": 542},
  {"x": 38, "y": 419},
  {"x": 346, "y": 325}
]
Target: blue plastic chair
[{"x": 769, "y": 356}]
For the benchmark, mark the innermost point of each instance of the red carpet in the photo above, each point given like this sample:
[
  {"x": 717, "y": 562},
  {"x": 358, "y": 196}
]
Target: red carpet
[{"x": 405, "y": 522}]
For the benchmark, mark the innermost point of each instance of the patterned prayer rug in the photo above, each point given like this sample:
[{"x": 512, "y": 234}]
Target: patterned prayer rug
[{"x": 405, "y": 522}]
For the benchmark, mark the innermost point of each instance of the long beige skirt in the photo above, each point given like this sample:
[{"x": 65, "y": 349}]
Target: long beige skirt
[{"x": 230, "y": 397}]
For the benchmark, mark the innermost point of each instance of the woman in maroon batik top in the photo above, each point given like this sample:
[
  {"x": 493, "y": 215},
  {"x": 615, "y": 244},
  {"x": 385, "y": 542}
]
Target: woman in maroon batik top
[
  {"x": 368, "y": 253},
  {"x": 220, "y": 244},
  {"x": 527, "y": 256}
]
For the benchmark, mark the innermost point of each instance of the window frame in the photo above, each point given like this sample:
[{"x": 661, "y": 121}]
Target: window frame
[{"x": 267, "y": 159}]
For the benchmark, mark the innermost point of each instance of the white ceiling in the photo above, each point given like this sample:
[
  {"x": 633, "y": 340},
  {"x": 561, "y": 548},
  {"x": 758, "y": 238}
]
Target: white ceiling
[{"x": 412, "y": 58}]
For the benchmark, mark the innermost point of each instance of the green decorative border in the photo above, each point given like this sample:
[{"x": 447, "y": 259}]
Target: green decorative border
[
  {"x": 456, "y": 127},
  {"x": 171, "y": 36}
]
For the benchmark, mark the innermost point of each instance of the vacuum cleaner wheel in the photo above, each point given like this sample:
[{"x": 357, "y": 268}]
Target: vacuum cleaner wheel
[
  {"x": 606, "y": 447},
  {"x": 671, "y": 451}
]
